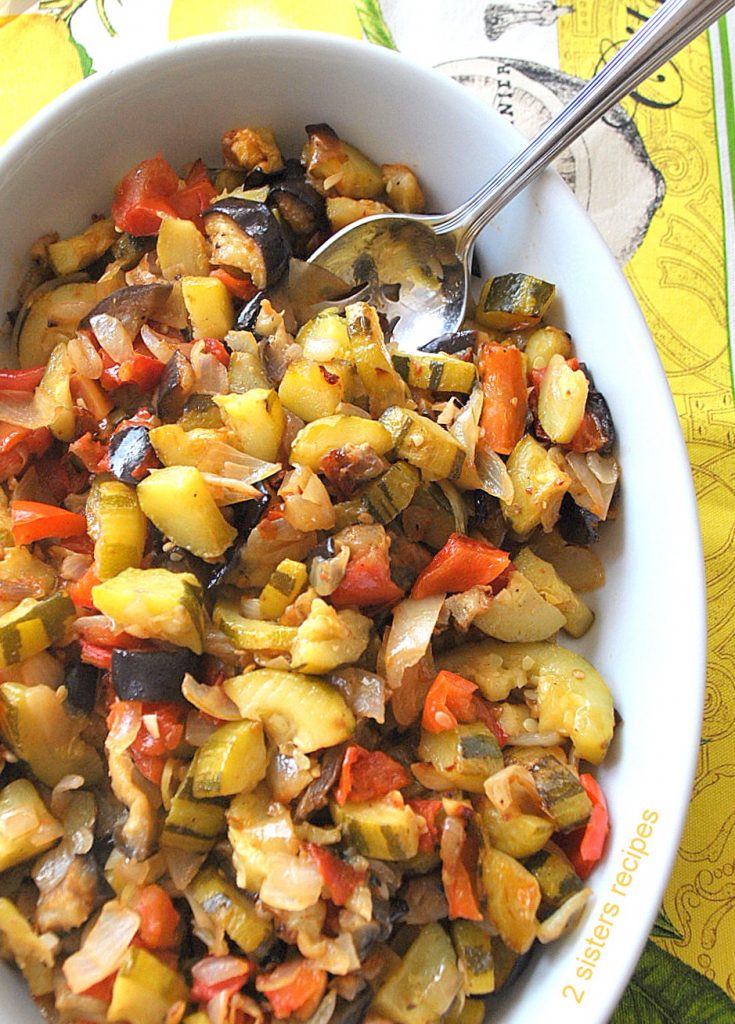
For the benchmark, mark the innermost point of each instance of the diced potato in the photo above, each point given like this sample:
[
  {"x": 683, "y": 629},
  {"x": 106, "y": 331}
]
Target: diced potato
[
  {"x": 405, "y": 194},
  {"x": 545, "y": 342},
  {"x": 339, "y": 168},
  {"x": 374, "y": 366},
  {"x": 178, "y": 502},
  {"x": 258, "y": 419},
  {"x": 312, "y": 390},
  {"x": 520, "y": 614},
  {"x": 341, "y": 210},
  {"x": 539, "y": 486},
  {"x": 72, "y": 254},
  {"x": 323, "y": 435},
  {"x": 182, "y": 249},
  {"x": 562, "y": 399},
  {"x": 553, "y": 589},
  {"x": 208, "y": 305},
  {"x": 325, "y": 337},
  {"x": 251, "y": 149}
]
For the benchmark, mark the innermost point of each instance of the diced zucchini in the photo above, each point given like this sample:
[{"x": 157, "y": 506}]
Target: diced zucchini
[
  {"x": 145, "y": 989},
  {"x": 208, "y": 305},
  {"x": 436, "y": 372},
  {"x": 519, "y": 613},
  {"x": 231, "y": 760},
  {"x": 295, "y": 708},
  {"x": 513, "y": 301},
  {"x": 117, "y": 526},
  {"x": 258, "y": 419},
  {"x": 245, "y": 370},
  {"x": 224, "y": 901},
  {"x": 382, "y": 499},
  {"x": 556, "y": 878},
  {"x": 53, "y": 318},
  {"x": 482, "y": 664},
  {"x": 561, "y": 400},
  {"x": 424, "y": 444},
  {"x": 313, "y": 390},
  {"x": 538, "y": 487},
  {"x": 513, "y": 897},
  {"x": 328, "y": 638},
  {"x": 561, "y": 792},
  {"x": 199, "y": 413},
  {"x": 386, "y": 829},
  {"x": 192, "y": 824},
  {"x": 325, "y": 336},
  {"x": 553, "y": 589},
  {"x": 370, "y": 355},
  {"x": 423, "y": 987},
  {"x": 177, "y": 446},
  {"x": 320, "y": 436},
  {"x": 69, "y": 255},
  {"x": 32, "y": 626},
  {"x": 39, "y": 728},
  {"x": 155, "y": 603},
  {"x": 520, "y": 836},
  {"x": 54, "y": 394},
  {"x": 474, "y": 949},
  {"x": 179, "y": 503},
  {"x": 287, "y": 581},
  {"x": 466, "y": 1011},
  {"x": 464, "y": 757},
  {"x": 545, "y": 342},
  {"x": 20, "y": 800},
  {"x": 251, "y": 634},
  {"x": 182, "y": 249},
  {"x": 431, "y": 517},
  {"x": 258, "y": 827}
]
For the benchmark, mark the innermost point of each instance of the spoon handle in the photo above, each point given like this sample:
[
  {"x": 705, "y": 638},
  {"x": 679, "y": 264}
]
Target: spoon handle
[{"x": 673, "y": 25}]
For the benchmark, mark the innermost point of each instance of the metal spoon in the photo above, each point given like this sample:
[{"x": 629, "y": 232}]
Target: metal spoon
[{"x": 417, "y": 267}]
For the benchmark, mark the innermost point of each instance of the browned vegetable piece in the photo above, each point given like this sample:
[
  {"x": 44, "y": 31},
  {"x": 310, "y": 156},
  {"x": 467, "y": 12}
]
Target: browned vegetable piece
[
  {"x": 133, "y": 305},
  {"x": 246, "y": 235},
  {"x": 402, "y": 186},
  {"x": 337, "y": 167},
  {"x": 174, "y": 387},
  {"x": 341, "y": 210},
  {"x": 252, "y": 149}
]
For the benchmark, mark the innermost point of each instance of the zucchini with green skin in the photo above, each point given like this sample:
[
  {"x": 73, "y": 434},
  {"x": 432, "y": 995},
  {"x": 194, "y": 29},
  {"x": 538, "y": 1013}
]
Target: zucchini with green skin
[
  {"x": 69, "y": 255},
  {"x": 258, "y": 419},
  {"x": 145, "y": 989},
  {"x": 231, "y": 760},
  {"x": 117, "y": 526},
  {"x": 520, "y": 836},
  {"x": 513, "y": 897},
  {"x": 192, "y": 824},
  {"x": 178, "y": 502},
  {"x": 464, "y": 757},
  {"x": 303, "y": 710},
  {"x": 370, "y": 355},
  {"x": 556, "y": 878},
  {"x": 424, "y": 444},
  {"x": 438, "y": 372},
  {"x": 325, "y": 434},
  {"x": 251, "y": 634},
  {"x": 513, "y": 301},
  {"x": 287, "y": 581},
  {"x": 32, "y": 626},
  {"x": 382, "y": 499},
  {"x": 562, "y": 795},
  {"x": 423, "y": 987},
  {"x": 242, "y": 923},
  {"x": 21, "y": 797},
  {"x": 474, "y": 949},
  {"x": 156, "y": 604},
  {"x": 199, "y": 413},
  {"x": 551, "y": 586},
  {"x": 384, "y": 829}
]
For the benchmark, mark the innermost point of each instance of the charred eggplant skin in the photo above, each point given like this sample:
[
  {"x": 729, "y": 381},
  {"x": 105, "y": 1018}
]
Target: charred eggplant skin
[
  {"x": 260, "y": 225},
  {"x": 450, "y": 344},
  {"x": 131, "y": 454},
  {"x": 152, "y": 675},
  {"x": 133, "y": 304},
  {"x": 245, "y": 320},
  {"x": 81, "y": 686},
  {"x": 174, "y": 387}
]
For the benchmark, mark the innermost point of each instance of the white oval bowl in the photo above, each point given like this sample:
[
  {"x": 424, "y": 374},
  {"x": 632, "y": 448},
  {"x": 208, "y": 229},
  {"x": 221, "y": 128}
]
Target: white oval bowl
[{"x": 649, "y": 638}]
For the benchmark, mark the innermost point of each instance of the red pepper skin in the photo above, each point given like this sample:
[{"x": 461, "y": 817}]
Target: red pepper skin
[
  {"x": 214, "y": 347},
  {"x": 430, "y": 811},
  {"x": 367, "y": 583},
  {"x": 459, "y": 881},
  {"x": 462, "y": 563},
  {"x": 505, "y": 397},
  {"x": 21, "y": 380},
  {"x": 585, "y": 847},
  {"x": 239, "y": 287},
  {"x": 450, "y": 700},
  {"x": 81, "y": 590},
  {"x": 368, "y": 775},
  {"x": 340, "y": 878},
  {"x": 35, "y": 520},
  {"x": 95, "y": 654},
  {"x": 159, "y": 919},
  {"x": 18, "y": 446},
  {"x": 140, "y": 197}
]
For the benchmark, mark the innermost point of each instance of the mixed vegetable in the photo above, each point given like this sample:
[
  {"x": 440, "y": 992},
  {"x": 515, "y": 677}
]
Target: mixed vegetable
[{"x": 286, "y": 732}]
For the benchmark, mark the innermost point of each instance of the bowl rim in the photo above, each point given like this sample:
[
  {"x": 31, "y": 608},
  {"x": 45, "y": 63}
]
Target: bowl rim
[{"x": 31, "y": 134}]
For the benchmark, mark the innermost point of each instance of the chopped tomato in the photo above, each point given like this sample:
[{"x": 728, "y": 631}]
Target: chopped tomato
[
  {"x": 485, "y": 713},
  {"x": 102, "y": 990},
  {"x": 430, "y": 811},
  {"x": 238, "y": 287},
  {"x": 339, "y": 877},
  {"x": 159, "y": 919},
  {"x": 81, "y": 590},
  {"x": 585, "y": 847},
  {"x": 294, "y": 989},
  {"x": 192, "y": 201},
  {"x": 505, "y": 397},
  {"x": 18, "y": 445},
  {"x": 459, "y": 854},
  {"x": 368, "y": 775},
  {"x": 153, "y": 745},
  {"x": 140, "y": 197},
  {"x": 202, "y": 992},
  {"x": 21, "y": 380},
  {"x": 462, "y": 563},
  {"x": 215, "y": 348},
  {"x": 589, "y": 436},
  {"x": 95, "y": 654},
  {"x": 367, "y": 582},
  {"x": 35, "y": 520},
  {"x": 142, "y": 370},
  {"x": 450, "y": 700},
  {"x": 89, "y": 451}
]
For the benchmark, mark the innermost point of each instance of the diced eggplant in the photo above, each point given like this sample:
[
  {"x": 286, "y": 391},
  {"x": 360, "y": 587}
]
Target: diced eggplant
[
  {"x": 245, "y": 319},
  {"x": 299, "y": 204},
  {"x": 247, "y": 236},
  {"x": 174, "y": 387},
  {"x": 129, "y": 249},
  {"x": 577, "y": 525},
  {"x": 455, "y": 341},
  {"x": 152, "y": 675},
  {"x": 131, "y": 454},
  {"x": 133, "y": 305},
  {"x": 245, "y": 517},
  {"x": 599, "y": 410},
  {"x": 81, "y": 686},
  {"x": 252, "y": 149}
]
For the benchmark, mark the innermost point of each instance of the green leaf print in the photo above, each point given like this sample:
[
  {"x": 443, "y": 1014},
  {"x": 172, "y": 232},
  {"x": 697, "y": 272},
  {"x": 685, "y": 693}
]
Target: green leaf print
[
  {"x": 374, "y": 24},
  {"x": 663, "y": 928}
]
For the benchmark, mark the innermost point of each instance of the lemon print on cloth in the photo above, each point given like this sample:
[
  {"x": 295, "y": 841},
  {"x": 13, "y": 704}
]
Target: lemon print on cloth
[
  {"x": 193, "y": 17},
  {"x": 38, "y": 60}
]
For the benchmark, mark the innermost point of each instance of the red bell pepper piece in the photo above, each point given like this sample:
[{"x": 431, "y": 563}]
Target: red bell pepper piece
[
  {"x": 97, "y": 655},
  {"x": 18, "y": 445},
  {"x": 450, "y": 700},
  {"x": 159, "y": 919},
  {"x": 102, "y": 990},
  {"x": 368, "y": 775},
  {"x": 238, "y": 287},
  {"x": 459, "y": 873},
  {"x": 81, "y": 590},
  {"x": 505, "y": 397},
  {"x": 34, "y": 520},
  {"x": 367, "y": 582},
  {"x": 21, "y": 380},
  {"x": 140, "y": 198},
  {"x": 294, "y": 989},
  {"x": 430, "y": 811},
  {"x": 215, "y": 348},
  {"x": 89, "y": 451},
  {"x": 462, "y": 563},
  {"x": 201, "y": 992},
  {"x": 340, "y": 877},
  {"x": 585, "y": 847}
]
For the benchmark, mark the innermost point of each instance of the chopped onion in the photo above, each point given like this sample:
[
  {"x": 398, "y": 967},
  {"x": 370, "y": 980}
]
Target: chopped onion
[
  {"x": 565, "y": 918},
  {"x": 364, "y": 692},
  {"x": 209, "y": 373},
  {"x": 494, "y": 475},
  {"x": 125, "y": 727},
  {"x": 213, "y": 970},
  {"x": 183, "y": 866},
  {"x": 222, "y": 458},
  {"x": 306, "y": 502},
  {"x": 198, "y": 728},
  {"x": 291, "y": 883},
  {"x": 228, "y": 490},
  {"x": 604, "y": 467},
  {"x": 23, "y": 409},
  {"x": 511, "y": 791},
  {"x": 212, "y": 700},
  {"x": 586, "y": 488},
  {"x": 113, "y": 337},
  {"x": 157, "y": 344},
  {"x": 50, "y": 870},
  {"x": 325, "y": 1009},
  {"x": 288, "y": 775},
  {"x": 326, "y": 574},
  {"x": 84, "y": 357},
  {"x": 466, "y": 427},
  {"x": 104, "y": 947},
  {"x": 410, "y": 635}
]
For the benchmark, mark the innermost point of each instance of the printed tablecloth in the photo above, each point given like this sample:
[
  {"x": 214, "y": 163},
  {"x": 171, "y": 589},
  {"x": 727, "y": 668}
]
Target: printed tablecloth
[{"x": 656, "y": 177}]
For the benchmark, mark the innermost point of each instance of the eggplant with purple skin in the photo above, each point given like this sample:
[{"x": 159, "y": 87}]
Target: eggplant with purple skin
[
  {"x": 131, "y": 454},
  {"x": 152, "y": 675},
  {"x": 81, "y": 686},
  {"x": 300, "y": 205},
  {"x": 245, "y": 320},
  {"x": 174, "y": 388},
  {"x": 597, "y": 407},
  {"x": 133, "y": 305},
  {"x": 452, "y": 343},
  {"x": 247, "y": 236}
]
